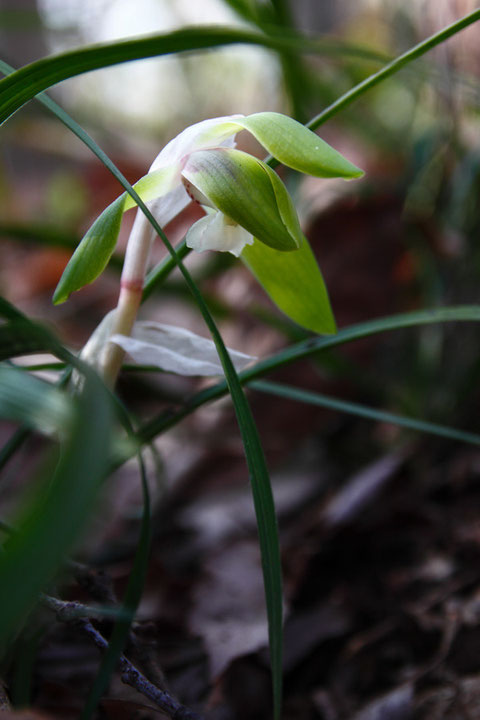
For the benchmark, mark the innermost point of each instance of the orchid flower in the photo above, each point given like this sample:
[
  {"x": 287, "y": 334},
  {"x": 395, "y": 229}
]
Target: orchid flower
[{"x": 246, "y": 204}]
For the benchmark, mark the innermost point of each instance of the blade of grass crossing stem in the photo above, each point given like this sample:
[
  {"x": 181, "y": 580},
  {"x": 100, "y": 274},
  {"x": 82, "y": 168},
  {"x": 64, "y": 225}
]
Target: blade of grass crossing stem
[
  {"x": 161, "y": 271},
  {"x": 131, "y": 599},
  {"x": 312, "y": 398},
  {"x": 311, "y": 346},
  {"x": 260, "y": 481}
]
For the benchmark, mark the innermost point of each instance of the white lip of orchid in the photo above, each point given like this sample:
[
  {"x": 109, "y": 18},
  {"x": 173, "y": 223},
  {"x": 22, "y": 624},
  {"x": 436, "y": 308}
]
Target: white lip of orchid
[
  {"x": 171, "y": 348},
  {"x": 218, "y": 232},
  {"x": 176, "y": 350}
]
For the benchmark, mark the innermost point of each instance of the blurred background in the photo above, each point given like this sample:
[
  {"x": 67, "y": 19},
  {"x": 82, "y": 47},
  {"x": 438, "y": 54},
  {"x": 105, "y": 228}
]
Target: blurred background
[{"x": 402, "y": 238}]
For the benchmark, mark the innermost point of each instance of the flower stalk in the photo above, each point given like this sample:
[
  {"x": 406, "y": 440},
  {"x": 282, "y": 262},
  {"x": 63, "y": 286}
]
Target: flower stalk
[{"x": 130, "y": 295}]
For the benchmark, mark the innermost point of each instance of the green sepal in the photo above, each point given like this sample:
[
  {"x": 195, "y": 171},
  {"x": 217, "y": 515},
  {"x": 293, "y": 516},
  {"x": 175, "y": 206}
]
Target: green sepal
[
  {"x": 93, "y": 253},
  {"x": 298, "y": 147},
  {"x": 249, "y": 192},
  {"x": 96, "y": 247},
  {"x": 295, "y": 284}
]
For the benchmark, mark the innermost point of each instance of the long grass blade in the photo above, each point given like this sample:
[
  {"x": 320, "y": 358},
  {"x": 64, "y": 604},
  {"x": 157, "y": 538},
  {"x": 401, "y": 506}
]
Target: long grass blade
[{"x": 313, "y": 398}]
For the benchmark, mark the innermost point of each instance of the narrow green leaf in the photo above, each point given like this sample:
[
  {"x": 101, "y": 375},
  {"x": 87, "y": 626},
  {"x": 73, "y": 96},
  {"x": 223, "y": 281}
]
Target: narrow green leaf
[
  {"x": 294, "y": 283},
  {"x": 243, "y": 188},
  {"x": 51, "y": 523},
  {"x": 294, "y": 145},
  {"x": 313, "y": 398},
  {"x": 160, "y": 272}
]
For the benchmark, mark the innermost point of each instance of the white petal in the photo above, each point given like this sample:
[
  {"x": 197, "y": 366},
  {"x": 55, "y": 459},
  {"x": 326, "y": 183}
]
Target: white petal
[
  {"x": 208, "y": 133},
  {"x": 215, "y": 232},
  {"x": 176, "y": 350}
]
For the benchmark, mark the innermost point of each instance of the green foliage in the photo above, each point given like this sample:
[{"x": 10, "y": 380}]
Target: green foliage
[
  {"x": 49, "y": 525},
  {"x": 294, "y": 283}
]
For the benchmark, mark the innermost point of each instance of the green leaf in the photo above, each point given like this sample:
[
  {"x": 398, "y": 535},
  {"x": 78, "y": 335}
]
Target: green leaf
[
  {"x": 38, "y": 404},
  {"x": 313, "y": 398},
  {"x": 247, "y": 191},
  {"x": 294, "y": 283},
  {"x": 92, "y": 255},
  {"x": 51, "y": 523},
  {"x": 298, "y": 147}
]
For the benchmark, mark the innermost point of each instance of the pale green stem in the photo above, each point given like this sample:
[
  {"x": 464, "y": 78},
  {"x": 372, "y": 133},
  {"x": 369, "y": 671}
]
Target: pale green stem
[{"x": 130, "y": 296}]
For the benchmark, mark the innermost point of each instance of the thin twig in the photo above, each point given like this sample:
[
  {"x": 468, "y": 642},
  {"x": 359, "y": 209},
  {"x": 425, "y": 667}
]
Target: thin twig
[{"x": 130, "y": 675}]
